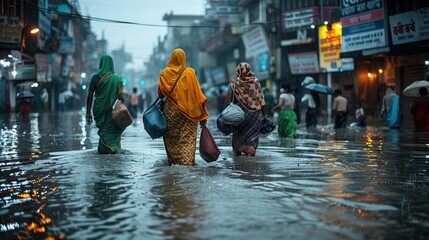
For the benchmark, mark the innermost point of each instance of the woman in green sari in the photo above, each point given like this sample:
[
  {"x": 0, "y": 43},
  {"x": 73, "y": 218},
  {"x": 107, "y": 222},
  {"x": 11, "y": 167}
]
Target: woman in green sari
[
  {"x": 107, "y": 87},
  {"x": 287, "y": 117}
]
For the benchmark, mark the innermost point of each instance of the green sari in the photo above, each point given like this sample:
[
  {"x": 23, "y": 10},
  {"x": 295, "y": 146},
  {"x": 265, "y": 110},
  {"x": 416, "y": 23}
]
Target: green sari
[
  {"x": 287, "y": 123},
  {"x": 109, "y": 88}
]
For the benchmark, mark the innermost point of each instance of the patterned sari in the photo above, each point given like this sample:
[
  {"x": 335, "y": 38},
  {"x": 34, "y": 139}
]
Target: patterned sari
[
  {"x": 109, "y": 88},
  {"x": 245, "y": 138},
  {"x": 180, "y": 138},
  {"x": 249, "y": 96}
]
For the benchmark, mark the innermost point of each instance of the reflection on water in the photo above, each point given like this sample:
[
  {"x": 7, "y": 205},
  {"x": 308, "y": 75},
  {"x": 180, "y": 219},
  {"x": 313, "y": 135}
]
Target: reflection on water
[{"x": 343, "y": 184}]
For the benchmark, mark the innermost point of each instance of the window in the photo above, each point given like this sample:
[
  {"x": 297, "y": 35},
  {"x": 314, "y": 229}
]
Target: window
[
  {"x": 254, "y": 11},
  {"x": 8, "y": 7}
]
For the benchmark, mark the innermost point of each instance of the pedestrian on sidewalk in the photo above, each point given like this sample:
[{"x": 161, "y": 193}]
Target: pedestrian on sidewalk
[
  {"x": 107, "y": 87},
  {"x": 287, "y": 117},
  {"x": 184, "y": 109},
  {"x": 420, "y": 110},
  {"x": 339, "y": 110},
  {"x": 390, "y": 109},
  {"x": 249, "y": 96}
]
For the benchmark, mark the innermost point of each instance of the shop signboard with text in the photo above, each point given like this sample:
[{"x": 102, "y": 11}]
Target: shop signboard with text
[
  {"x": 10, "y": 32},
  {"x": 410, "y": 26},
  {"x": 303, "y": 63},
  {"x": 363, "y": 25},
  {"x": 256, "y": 45},
  {"x": 330, "y": 47},
  {"x": 297, "y": 19}
]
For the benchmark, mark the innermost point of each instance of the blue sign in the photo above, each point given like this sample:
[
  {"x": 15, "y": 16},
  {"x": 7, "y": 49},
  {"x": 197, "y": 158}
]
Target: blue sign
[{"x": 264, "y": 62}]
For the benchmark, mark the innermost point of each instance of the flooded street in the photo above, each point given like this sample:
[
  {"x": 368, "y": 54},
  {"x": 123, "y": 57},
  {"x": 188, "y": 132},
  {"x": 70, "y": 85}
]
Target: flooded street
[{"x": 354, "y": 184}]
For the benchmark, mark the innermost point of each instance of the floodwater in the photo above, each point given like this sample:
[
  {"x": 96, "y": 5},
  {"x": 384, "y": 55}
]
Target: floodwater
[{"x": 353, "y": 184}]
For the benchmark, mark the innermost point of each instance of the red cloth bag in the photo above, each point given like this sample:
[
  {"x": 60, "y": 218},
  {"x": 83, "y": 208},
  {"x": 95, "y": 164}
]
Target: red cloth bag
[{"x": 208, "y": 148}]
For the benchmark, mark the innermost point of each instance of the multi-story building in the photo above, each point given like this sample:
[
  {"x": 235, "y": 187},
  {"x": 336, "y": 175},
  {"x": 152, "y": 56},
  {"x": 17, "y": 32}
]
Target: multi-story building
[
  {"x": 222, "y": 42},
  {"x": 54, "y": 58}
]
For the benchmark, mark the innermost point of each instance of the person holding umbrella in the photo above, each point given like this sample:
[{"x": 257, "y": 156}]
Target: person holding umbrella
[
  {"x": 420, "y": 110},
  {"x": 313, "y": 101}
]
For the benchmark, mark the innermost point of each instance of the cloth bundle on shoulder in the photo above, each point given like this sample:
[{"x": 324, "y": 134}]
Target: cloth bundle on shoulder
[
  {"x": 121, "y": 117},
  {"x": 208, "y": 148},
  {"x": 154, "y": 121}
]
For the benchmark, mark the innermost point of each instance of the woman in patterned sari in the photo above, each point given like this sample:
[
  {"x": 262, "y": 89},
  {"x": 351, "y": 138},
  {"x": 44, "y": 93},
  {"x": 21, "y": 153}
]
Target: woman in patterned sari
[
  {"x": 185, "y": 107},
  {"x": 107, "y": 87},
  {"x": 249, "y": 96}
]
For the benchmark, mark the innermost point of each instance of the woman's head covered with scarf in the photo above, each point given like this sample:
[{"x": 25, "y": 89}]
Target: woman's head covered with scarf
[
  {"x": 106, "y": 65},
  {"x": 247, "y": 88},
  {"x": 187, "y": 95},
  {"x": 244, "y": 72},
  {"x": 390, "y": 94}
]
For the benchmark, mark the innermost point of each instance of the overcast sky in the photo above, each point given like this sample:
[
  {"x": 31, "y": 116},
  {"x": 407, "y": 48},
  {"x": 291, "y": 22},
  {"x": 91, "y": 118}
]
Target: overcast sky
[{"x": 138, "y": 40}]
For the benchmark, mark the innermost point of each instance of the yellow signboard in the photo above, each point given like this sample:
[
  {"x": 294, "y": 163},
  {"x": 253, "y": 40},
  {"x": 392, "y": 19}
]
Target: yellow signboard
[{"x": 330, "y": 47}]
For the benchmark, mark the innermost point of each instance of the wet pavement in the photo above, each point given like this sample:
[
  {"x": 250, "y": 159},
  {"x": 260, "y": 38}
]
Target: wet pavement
[{"x": 356, "y": 183}]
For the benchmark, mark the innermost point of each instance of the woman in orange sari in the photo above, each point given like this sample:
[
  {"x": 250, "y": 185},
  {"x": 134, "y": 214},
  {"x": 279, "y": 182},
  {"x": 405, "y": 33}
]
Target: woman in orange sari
[{"x": 185, "y": 107}]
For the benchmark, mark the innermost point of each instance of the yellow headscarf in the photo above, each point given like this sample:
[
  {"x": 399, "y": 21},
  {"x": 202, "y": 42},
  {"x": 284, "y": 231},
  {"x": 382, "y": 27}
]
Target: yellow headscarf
[{"x": 187, "y": 95}]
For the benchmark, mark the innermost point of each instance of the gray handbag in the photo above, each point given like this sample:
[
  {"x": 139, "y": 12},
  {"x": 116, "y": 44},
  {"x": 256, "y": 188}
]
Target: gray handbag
[{"x": 233, "y": 114}]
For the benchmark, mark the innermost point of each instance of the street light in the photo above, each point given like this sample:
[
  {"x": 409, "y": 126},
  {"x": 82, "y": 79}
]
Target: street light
[{"x": 34, "y": 30}]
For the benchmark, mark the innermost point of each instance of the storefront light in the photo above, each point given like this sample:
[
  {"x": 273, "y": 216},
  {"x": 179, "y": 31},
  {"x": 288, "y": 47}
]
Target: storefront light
[
  {"x": 4, "y": 63},
  {"x": 380, "y": 70},
  {"x": 313, "y": 26},
  {"x": 325, "y": 22},
  {"x": 369, "y": 75},
  {"x": 34, "y": 30},
  {"x": 427, "y": 62}
]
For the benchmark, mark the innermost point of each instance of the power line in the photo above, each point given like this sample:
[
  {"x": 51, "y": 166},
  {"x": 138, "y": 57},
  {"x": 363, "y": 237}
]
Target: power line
[{"x": 97, "y": 19}]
